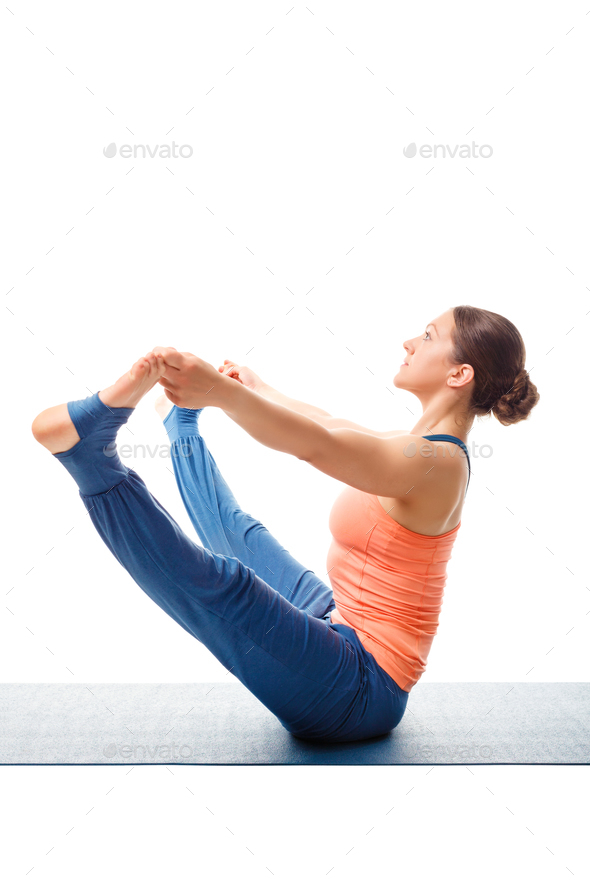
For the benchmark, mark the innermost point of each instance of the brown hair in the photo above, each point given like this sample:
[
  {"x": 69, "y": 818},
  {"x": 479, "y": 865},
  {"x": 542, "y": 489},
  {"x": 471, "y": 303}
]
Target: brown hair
[{"x": 494, "y": 348}]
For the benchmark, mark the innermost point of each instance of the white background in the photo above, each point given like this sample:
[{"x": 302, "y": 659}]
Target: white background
[{"x": 300, "y": 241}]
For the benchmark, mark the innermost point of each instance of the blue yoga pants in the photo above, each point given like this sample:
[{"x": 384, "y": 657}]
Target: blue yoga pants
[{"x": 261, "y": 613}]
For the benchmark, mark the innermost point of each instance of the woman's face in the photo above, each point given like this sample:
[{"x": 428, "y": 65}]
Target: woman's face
[{"x": 427, "y": 356}]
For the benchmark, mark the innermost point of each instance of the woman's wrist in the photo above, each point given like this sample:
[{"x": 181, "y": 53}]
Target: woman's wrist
[{"x": 230, "y": 394}]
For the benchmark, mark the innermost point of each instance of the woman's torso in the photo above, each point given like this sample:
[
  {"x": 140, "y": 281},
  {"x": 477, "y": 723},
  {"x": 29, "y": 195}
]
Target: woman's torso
[{"x": 388, "y": 584}]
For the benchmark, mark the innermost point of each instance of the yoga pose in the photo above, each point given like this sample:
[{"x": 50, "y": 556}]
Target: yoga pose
[{"x": 332, "y": 662}]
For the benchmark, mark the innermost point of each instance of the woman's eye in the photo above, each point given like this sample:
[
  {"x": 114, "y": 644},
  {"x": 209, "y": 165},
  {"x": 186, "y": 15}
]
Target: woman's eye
[{"x": 426, "y": 333}]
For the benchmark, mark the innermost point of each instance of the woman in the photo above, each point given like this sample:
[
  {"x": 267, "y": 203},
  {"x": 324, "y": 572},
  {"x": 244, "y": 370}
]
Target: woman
[{"x": 332, "y": 663}]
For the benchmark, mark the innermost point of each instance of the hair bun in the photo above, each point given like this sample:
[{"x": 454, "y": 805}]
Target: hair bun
[
  {"x": 521, "y": 383},
  {"x": 519, "y": 389}
]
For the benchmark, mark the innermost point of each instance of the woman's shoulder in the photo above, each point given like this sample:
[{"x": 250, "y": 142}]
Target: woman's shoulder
[{"x": 435, "y": 504}]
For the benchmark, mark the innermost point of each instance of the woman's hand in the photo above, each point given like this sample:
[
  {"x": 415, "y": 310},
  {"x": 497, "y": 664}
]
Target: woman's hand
[
  {"x": 190, "y": 382},
  {"x": 242, "y": 374}
]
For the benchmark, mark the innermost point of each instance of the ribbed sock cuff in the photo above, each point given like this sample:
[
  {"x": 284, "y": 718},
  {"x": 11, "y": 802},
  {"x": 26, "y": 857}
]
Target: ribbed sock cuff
[{"x": 182, "y": 422}]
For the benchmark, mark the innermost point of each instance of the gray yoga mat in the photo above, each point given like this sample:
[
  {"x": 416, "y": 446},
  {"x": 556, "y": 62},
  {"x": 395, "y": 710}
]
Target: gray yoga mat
[{"x": 445, "y": 723}]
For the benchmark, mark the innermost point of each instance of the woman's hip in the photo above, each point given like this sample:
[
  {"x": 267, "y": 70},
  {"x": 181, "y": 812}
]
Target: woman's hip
[{"x": 375, "y": 708}]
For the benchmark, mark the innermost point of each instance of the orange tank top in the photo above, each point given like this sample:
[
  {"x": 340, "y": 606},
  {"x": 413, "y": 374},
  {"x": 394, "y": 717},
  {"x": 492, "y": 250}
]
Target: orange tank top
[{"x": 388, "y": 583}]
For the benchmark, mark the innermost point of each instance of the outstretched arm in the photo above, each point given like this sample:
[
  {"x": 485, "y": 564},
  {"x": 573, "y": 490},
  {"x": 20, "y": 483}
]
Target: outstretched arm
[
  {"x": 248, "y": 378},
  {"x": 192, "y": 383},
  {"x": 378, "y": 466}
]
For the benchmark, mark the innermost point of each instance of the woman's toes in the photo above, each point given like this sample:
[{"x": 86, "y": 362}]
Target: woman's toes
[
  {"x": 150, "y": 360},
  {"x": 139, "y": 368}
]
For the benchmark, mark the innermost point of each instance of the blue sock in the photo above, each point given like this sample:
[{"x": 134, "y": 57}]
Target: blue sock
[{"x": 93, "y": 462}]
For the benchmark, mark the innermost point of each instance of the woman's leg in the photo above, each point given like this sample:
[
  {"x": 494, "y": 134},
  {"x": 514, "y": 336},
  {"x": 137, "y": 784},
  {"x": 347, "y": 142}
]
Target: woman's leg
[
  {"x": 316, "y": 678},
  {"x": 225, "y": 528}
]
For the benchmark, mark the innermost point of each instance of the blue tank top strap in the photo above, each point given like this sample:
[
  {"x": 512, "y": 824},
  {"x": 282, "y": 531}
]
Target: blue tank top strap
[{"x": 459, "y": 442}]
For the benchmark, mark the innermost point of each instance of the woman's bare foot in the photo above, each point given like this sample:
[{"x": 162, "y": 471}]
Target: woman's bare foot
[
  {"x": 54, "y": 428},
  {"x": 163, "y": 406},
  {"x": 134, "y": 384}
]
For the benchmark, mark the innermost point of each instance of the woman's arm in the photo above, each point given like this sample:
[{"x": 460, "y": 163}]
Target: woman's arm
[
  {"x": 377, "y": 466},
  {"x": 191, "y": 383},
  {"x": 248, "y": 378}
]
